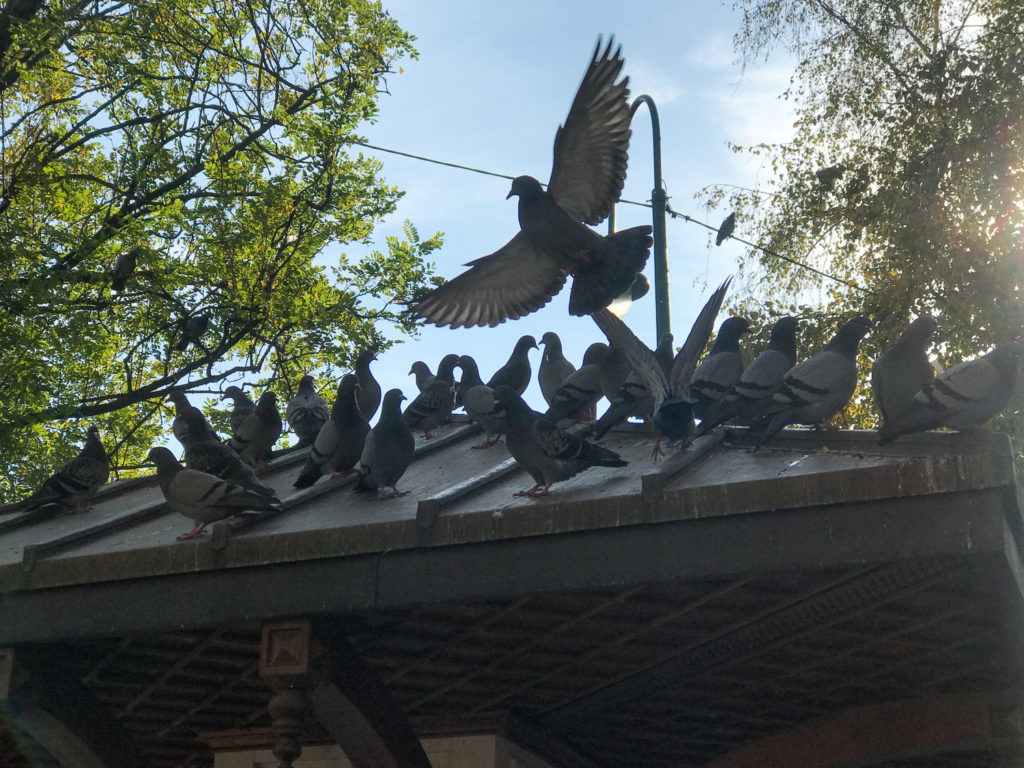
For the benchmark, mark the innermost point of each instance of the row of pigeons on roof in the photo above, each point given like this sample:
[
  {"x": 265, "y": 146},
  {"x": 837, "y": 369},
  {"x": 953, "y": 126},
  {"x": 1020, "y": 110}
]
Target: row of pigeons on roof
[{"x": 555, "y": 242}]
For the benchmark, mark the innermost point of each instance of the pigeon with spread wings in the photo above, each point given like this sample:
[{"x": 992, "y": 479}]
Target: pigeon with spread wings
[{"x": 554, "y": 241}]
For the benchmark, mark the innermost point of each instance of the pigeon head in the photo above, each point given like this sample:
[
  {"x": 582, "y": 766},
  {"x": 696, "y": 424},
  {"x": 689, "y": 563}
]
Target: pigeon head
[
  {"x": 447, "y": 366},
  {"x": 93, "y": 444},
  {"x": 467, "y": 364},
  {"x": 551, "y": 339},
  {"x": 729, "y": 334},
  {"x": 1006, "y": 359},
  {"x": 347, "y": 387},
  {"x": 233, "y": 392},
  {"x": 162, "y": 458},
  {"x": 526, "y": 342},
  {"x": 919, "y": 330},
  {"x": 419, "y": 368},
  {"x": 179, "y": 399},
  {"x": 525, "y": 186},
  {"x": 392, "y": 400},
  {"x": 267, "y": 400},
  {"x": 848, "y": 337},
  {"x": 783, "y": 338},
  {"x": 595, "y": 353},
  {"x": 307, "y": 384},
  {"x": 366, "y": 356},
  {"x": 508, "y": 401}
]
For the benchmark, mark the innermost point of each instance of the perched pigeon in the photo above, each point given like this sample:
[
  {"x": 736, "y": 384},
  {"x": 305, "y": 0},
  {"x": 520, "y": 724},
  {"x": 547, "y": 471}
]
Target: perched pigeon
[
  {"x": 339, "y": 444},
  {"x": 256, "y": 436},
  {"x": 216, "y": 458},
  {"x": 633, "y": 400},
  {"x": 548, "y": 453},
  {"x": 962, "y": 397},
  {"x": 190, "y": 330},
  {"x": 243, "y": 406},
  {"x": 182, "y": 408},
  {"x": 201, "y": 496},
  {"x": 73, "y": 486},
  {"x": 750, "y": 396},
  {"x": 434, "y": 404},
  {"x": 827, "y": 177},
  {"x": 587, "y": 176},
  {"x": 554, "y": 368},
  {"x": 478, "y": 401},
  {"x": 580, "y": 392},
  {"x": 368, "y": 394},
  {"x": 517, "y": 371},
  {"x": 821, "y": 386},
  {"x": 388, "y": 451},
  {"x": 124, "y": 268},
  {"x": 726, "y": 228},
  {"x": 423, "y": 374},
  {"x": 673, "y": 407},
  {"x": 615, "y": 369},
  {"x": 307, "y": 411},
  {"x": 904, "y": 370},
  {"x": 722, "y": 367}
]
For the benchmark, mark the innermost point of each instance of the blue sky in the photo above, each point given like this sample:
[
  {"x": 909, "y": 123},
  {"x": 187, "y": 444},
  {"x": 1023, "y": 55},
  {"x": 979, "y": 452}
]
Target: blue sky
[{"x": 492, "y": 84}]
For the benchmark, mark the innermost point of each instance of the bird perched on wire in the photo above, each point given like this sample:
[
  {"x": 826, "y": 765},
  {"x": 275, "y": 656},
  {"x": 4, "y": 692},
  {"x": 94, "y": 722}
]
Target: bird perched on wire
[
  {"x": 255, "y": 437},
  {"x": 720, "y": 369},
  {"x": 554, "y": 367},
  {"x": 339, "y": 444},
  {"x": 587, "y": 176},
  {"x": 306, "y": 412},
  {"x": 962, "y": 397},
  {"x": 516, "y": 371},
  {"x": 726, "y": 228},
  {"x": 904, "y": 370},
  {"x": 434, "y": 404},
  {"x": 388, "y": 451},
  {"x": 74, "y": 485},
  {"x": 368, "y": 393}
]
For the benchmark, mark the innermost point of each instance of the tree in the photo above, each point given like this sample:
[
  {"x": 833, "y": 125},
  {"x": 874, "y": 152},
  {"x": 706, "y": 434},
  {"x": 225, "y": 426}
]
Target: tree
[
  {"x": 906, "y": 172},
  {"x": 210, "y": 141}
]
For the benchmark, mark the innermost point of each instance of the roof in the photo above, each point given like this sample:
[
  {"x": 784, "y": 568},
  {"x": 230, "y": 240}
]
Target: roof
[{"x": 664, "y": 613}]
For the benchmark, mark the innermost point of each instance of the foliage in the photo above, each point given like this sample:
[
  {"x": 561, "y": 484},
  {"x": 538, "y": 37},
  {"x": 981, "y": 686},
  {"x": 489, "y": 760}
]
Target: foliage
[
  {"x": 211, "y": 139},
  {"x": 906, "y": 172}
]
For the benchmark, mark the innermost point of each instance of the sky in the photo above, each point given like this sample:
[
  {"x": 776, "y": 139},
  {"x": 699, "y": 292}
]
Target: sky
[{"x": 491, "y": 86}]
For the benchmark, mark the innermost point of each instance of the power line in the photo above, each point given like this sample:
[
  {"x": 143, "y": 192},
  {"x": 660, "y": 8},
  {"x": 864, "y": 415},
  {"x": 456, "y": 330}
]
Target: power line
[{"x": 673, "y": 213}]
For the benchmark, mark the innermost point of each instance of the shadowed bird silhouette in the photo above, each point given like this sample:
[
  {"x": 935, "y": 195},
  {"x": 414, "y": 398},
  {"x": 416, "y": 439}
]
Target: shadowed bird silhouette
[
  {"x": 516, "y": 371},
  {"x": 554, "y": 367},
  {"x": 904, "y": 370},
  {"x": 423, "y": 374},
  {"x": 434, "y": 404},
  {"x": 255, "y": 437},
  {"x": 720, "y": 369},
  {"x": 368, "y": 393},
  {"x": 124, "y": 268},
  {"x": 216, "y": 458},
  {"x": 182, "y": 409},
  {"x": 827, "y": 177},
  {"x": 306, "y": 412},
  {"x": 191, "y": 330},
  {"x": 587, "y": 176},
  {"x": 339, "y": 443},
  {"x": 478, "y": 401},
  {"x": 580, "y": 392},
  {"x": 242, "y": 406},
  {"x": 726, "y": 228},
  {"x": 388, "y": 451},
  {"x": 72, "y": 486},
  {"x": 632, "y": 398}
]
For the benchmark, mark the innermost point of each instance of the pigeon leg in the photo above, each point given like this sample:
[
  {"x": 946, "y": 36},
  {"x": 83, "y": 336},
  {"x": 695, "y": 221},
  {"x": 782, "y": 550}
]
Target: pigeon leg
[
  {"x": 193, "y": 533},
  {"x": 427, "y": 435},
  {"x": 657, "y": 453},
  {"x": 528, "y": 492},
  {"x": 488, "y": 442},
  {"x": 346, "y": 473},
  {"x": 381, "y": 496}
]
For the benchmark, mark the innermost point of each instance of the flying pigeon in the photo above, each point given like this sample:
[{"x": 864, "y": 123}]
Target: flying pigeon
[
  {"x": 201, "y": 496},
  {"x": 256, "y": 436},
  {"x": 182, "y": 408},
  {"x": 339, "y": 444},
  {"x": 726, "y": 228},
  {"x": 219, "y": 459},
  {"x": 434, "y": 404},
  {"x": 632, "y": 399},
  {"x": 673, "y": 407},
  {"x": 73, "y": 486},
  {"x": 548, "y": 453},
  {"x": 307, "y": 411},
  {"x": 368, "y": 393},
  {"x": 242, "y": 406},
  {"x": 580, "y": 392},
  {"x": 722, "y": 367},
  {"x": 190, "y": 330},
  {"x": 516, "y": 372},
  {"x": 904, "y": 370},
  {"x": 478, "y": 401},
  {"x": 750, "y": 396},
  {"x": 124, "y": 268},
  {"x": 554, "y": 368},
  {"x": 587, "y": 176},
  {"x": 818, "y": 388},
  {"x": 388, "y": 451},
  {"x": 962, "y": 397}
]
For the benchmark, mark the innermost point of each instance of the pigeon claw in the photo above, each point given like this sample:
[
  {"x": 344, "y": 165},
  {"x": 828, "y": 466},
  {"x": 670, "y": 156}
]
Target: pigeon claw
[
  {"x": 657, "y": 453},
  {"x": 534, "y": 492},
  {"x": 385, "y": 493},
  {"x": 193, "y": 533},
  {"x": 490, "y": 441}
]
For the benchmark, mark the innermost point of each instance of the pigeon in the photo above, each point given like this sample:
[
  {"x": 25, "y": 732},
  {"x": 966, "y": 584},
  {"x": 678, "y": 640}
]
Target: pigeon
[
  {"x": 726, "y": 228},
  {"x": 423, "y": 375},
  {"x": 633, "y": 399},
  {"x": 904, "y": 370},
  {"x": 124, "y": 268},
  {"x": 216, "y": 458},
  {"x": 516, "y": 372},
  {"x": 673, "y": 408},
  {"x": 368, "y": 393},
  {"x": 722, "y": 367},
  {"x": 256, "y": 436},
  {"x": 615, "y": 369},
  {"x": 243, "y": 406},
  {"x": 73, "y": 486},
  {"x": 587, "y": 177},
  {"x": 962, "y": 397},
  {"x": 339, "y": 444},
  {"x": 580, "y": 392},
  {"x": 388, "y": 451},
  {"x": 818, "y": 388},
  {"x": 306, "y": 412},
  {"x": 190, "y": 330},
  {"x": 434, "y": 404},
  {"x": 478, "y": 401},
  {"x": 748, "y": 398},
  {"x": 182, "y": 408},
  {"x": 827, "y": 177},
  {"x": 201, "y": 496},
  {"x": 554, "y": 368},
  {"x": 548, "y": 453}
]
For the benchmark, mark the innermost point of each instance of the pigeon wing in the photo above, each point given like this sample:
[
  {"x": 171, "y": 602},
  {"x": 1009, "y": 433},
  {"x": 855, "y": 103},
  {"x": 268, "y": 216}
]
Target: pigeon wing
[
  {"x": 685, "y": 362},
  {"x": 643, "y": 360}
]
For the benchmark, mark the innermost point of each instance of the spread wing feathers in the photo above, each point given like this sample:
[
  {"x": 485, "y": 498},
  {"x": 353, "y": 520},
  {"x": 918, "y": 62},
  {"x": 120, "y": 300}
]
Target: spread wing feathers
[
  {"x": 592, "y": 146},
  {"x": 558, "y": 445},
  {"x": 640, "y": 356},
  {"x": 685, "y": 362},
  {"x": 515, "y": 280}
]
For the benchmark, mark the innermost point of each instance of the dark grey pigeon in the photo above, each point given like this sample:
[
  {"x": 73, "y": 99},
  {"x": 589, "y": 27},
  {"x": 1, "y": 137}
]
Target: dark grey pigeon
[
  {"x": 587, "y": 176},
  {"x": 580, "y": 392},
  {"x": 217, "y": 458},
  {"x": 478, "y": 401},
  {"x": 339, "y": 444},
  {"x": 124, "y": 268},
  {"x": 73, "y": 486},
  {"x": 548, "y": 453},
  {"x": 820, "y": 387},
  {"x": 752, "y": 394},
  {"x": 424, "y": 376},
  {"x": 554, "y": 368},
  {"x": 388, "y": 451},
  {"x": 255, "y": 437},
  {"x": 720, "y": 369},
  {"x": 434, "y": 404},
  {"x": 633, "y": 400},
  {"x": 368, "y": 393},
  {"x": 726, "y": 228},
  {"x": 182, "y": 408},
  {"x": 242, "y": 406},
  {"x": 191, "y": 330},
  {"x": 516, "y": 372},
  {"x": 307, "y": 411},
  {"x": 962, "y": 397},
  {"x": 200, "y": 496},
  {"x": 615, "y": 368},
  {"x": 673, "y": 406},
  {"x": 904, "y": 370},
  {"x": 827, "y": 177}
]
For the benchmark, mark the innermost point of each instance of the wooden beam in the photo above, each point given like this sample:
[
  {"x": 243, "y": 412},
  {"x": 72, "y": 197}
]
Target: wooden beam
[{"x": 871, "y": 734}]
